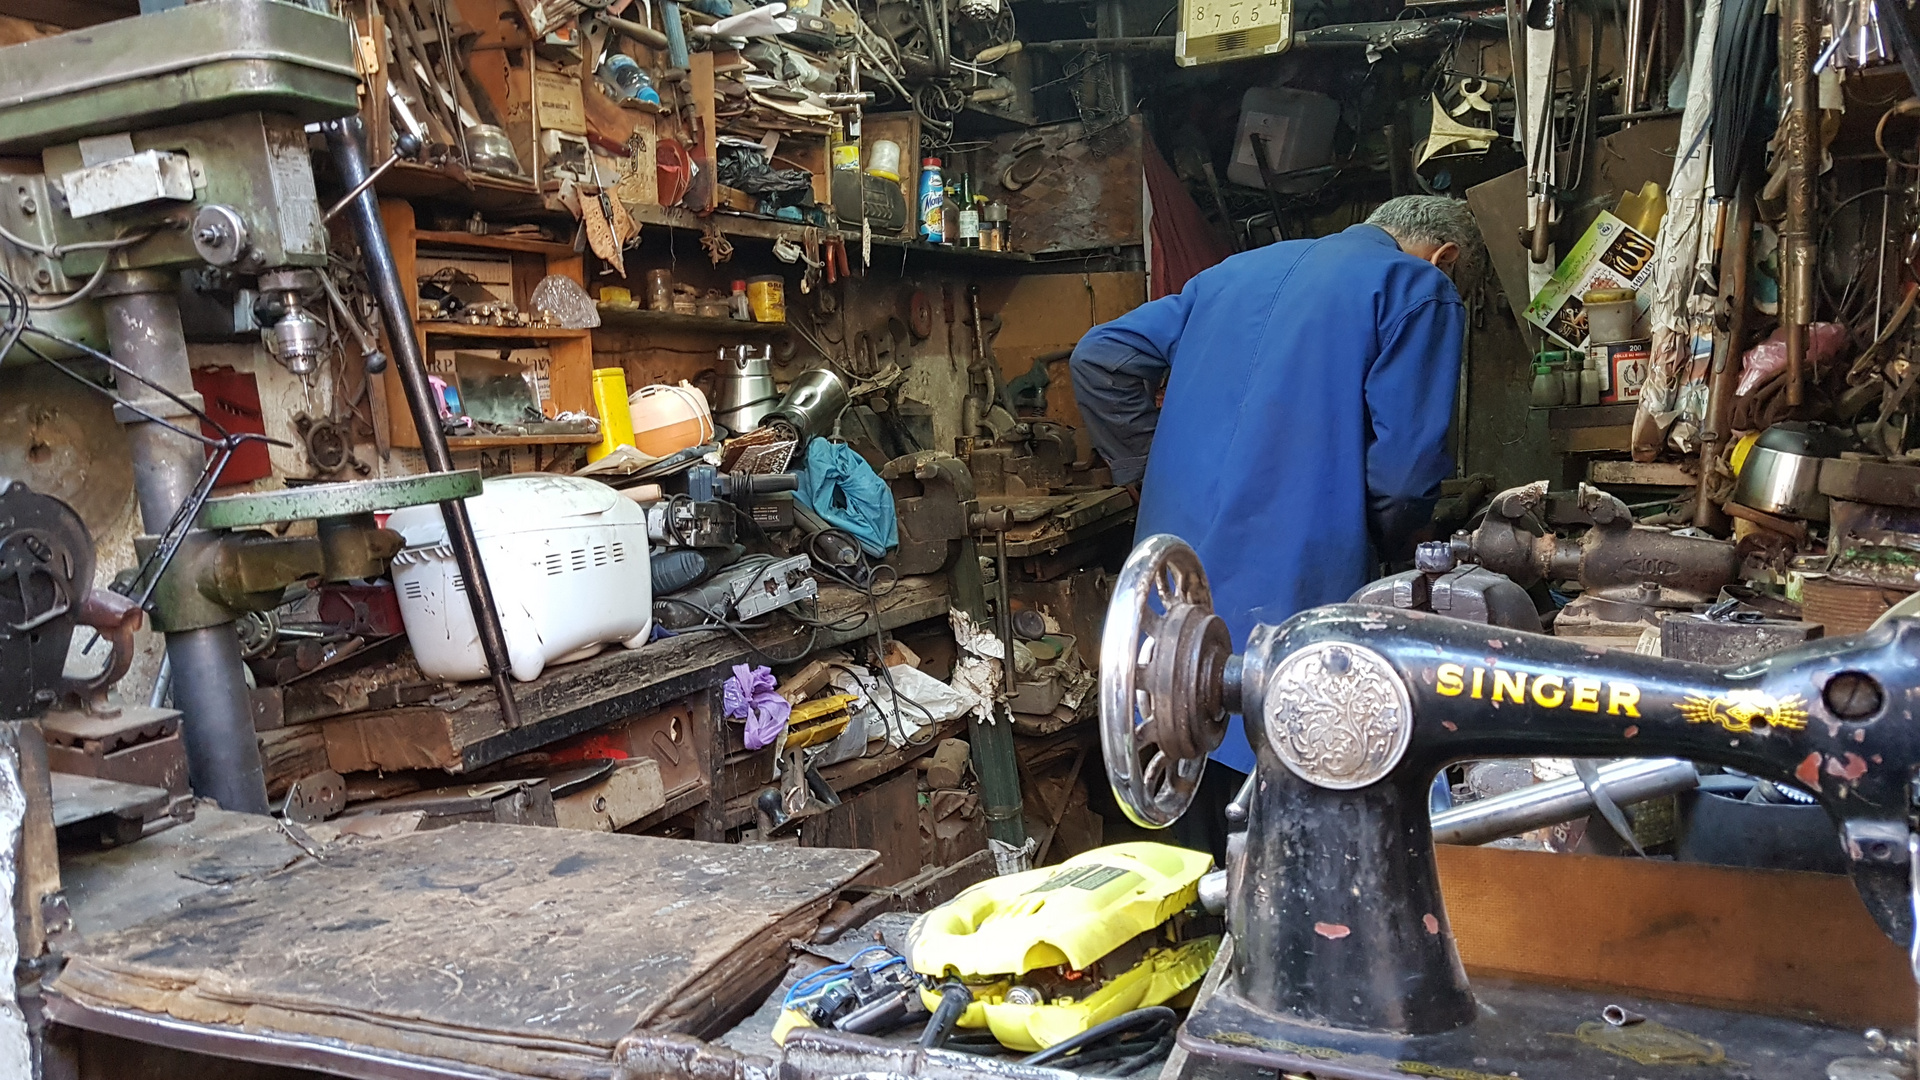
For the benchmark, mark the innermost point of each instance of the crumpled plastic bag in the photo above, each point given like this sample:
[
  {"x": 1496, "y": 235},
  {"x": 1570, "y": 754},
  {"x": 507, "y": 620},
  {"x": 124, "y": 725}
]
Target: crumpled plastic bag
[
  {"x": 976, "y": 671},
  {"x": 843, "y": 489},
  {"x": 1825, "y": 340},
  {"x": 750, "y": 696},
  {"x": 925, "y": 700},
  {"x": 565, "y": 300},
  {"x": 749, "y": 170}
]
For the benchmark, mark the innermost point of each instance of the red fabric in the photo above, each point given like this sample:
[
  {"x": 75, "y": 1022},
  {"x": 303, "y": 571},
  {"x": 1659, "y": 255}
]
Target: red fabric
[{"x": 1184, "y": 243}]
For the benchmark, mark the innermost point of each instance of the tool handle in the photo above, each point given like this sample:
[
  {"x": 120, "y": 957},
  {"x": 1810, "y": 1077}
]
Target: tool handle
[{"x": 954, "y": 999}]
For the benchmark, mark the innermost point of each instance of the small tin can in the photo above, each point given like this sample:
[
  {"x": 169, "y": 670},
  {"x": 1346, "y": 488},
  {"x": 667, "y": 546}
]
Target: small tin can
[{"x": 767, "y": 298}]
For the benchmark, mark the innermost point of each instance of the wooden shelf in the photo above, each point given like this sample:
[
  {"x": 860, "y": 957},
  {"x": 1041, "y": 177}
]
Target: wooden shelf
[
  {"x": 741, "y": 226},
  {"x": 511, "y": 333},
  {"x": 489, "y": 442},
  {"x": 409, "y": 180},
  {"x": 494, "y": 243},
  {"x": 570, "y": 352},
  {"x": 646, "y": 319}
]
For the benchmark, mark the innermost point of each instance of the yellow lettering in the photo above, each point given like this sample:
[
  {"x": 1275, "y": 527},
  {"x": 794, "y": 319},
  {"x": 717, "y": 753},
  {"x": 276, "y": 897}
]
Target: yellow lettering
[
  {"x": 1621, "y": 699},
  {"x": 1449, "y": 680},
  {"x": 1479, "y": 675},
  {"x": 1586, "y": 695},
  {"x": 1548, "y": 691},
  {"x": 1511, "y": 684}
]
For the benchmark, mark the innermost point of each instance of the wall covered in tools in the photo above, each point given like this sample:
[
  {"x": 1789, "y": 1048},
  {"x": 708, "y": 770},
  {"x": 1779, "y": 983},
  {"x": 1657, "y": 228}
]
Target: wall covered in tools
[
  {"x": 656, "y": 417},
  {"x": 741, "y": 334}
]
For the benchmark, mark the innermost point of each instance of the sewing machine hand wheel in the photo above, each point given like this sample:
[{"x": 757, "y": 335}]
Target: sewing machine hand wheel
[{"x": 1162, "y": 658}]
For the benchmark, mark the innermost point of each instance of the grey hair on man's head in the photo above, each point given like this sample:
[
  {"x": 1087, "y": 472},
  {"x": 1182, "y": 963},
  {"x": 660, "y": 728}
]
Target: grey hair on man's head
[{"x": 1435, "y": 220}]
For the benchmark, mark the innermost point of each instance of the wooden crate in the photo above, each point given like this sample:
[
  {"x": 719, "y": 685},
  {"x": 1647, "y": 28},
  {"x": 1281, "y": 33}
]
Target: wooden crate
[{"x": 570, "y": 374}]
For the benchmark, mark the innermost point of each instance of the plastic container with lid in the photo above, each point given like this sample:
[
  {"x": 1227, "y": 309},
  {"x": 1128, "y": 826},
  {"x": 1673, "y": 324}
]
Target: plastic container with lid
[
  {"x": 567, "y": 561},
  {"x": 1590, "y": 383},
  {"x": 669, "y": 419},
  {"x": 610, "y": 404},
  {"x": 1547, "y": 388},
  {"x": 883, "y": 160},
  {"x": 767, "y": 298},
  {"x": 1612, "y": 315}
]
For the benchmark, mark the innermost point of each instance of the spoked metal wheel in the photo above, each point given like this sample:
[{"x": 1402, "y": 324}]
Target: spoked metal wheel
[{"x": 1162, "y": 656}]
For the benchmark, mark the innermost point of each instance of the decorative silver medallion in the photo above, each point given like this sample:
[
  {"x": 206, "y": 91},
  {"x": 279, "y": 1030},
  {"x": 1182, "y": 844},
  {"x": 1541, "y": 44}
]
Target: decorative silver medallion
[{"x": 1338, "y": 715}]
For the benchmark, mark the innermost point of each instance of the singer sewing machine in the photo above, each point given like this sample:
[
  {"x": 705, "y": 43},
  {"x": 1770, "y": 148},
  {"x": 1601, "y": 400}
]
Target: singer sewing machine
[{"x": 1342, "y": 963}]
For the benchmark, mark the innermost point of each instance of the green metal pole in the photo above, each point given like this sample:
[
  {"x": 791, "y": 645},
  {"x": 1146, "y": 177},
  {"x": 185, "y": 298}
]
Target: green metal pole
[{"x": 992, "y": 741}]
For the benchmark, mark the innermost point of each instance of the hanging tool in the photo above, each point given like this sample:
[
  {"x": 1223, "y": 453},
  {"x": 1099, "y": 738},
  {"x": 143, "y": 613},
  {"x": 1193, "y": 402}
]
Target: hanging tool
[
  {"x": 1538, "y": 140},
  {"x": 374, "y": 360}
]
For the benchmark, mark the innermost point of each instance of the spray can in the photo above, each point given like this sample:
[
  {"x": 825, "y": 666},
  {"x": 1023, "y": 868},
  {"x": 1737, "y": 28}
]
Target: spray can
[{"x": 933, "y": 194}]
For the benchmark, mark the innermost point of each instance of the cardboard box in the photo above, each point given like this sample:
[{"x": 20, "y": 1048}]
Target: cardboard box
[
  {"x": 1611, "y": 255},
  {"x": 1623, "y": 368},
  {"x": 558, "y": 105}
]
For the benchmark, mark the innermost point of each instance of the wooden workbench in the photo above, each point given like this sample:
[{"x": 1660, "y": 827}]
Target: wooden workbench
[
  {"x": 477, "y": 950},
  {"x": 619, "y": 683}
]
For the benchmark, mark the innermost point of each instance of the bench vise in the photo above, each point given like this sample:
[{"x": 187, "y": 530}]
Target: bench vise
[{"x": 1342, "y": 962}]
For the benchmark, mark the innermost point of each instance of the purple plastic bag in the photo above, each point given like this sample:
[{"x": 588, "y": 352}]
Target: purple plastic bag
[{"x": 750, "y": 696}]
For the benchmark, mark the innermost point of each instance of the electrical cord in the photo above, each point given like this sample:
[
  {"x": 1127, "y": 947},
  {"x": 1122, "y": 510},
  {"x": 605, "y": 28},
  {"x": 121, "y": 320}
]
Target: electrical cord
[
  {"x": 1151, "y": 1017},
  {"x": 867, "y": 580},
  {"x": 808, "y": 985},
  {"x": 739, "y": 630},
  {"x": 56, "y": 251}
]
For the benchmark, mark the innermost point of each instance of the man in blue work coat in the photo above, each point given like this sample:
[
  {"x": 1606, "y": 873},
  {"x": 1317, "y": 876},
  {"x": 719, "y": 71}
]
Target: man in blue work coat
[{"x": 1309, "y": 389}]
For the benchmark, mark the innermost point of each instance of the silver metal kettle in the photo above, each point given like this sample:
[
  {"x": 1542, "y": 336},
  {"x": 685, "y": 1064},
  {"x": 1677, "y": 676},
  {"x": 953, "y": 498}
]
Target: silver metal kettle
[{"x": 746, "y": 387}]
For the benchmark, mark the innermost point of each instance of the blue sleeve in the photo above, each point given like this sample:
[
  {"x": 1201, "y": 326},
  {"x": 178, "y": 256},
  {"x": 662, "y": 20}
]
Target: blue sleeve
[
  {"x": 1117, "y": 368},
  {"x": 1409, "y": 392}
]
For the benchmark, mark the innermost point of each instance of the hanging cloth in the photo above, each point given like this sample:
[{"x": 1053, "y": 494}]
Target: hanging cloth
[
  {"x": 843, "y": 489},
  {"x": 1678, "y": 250}
]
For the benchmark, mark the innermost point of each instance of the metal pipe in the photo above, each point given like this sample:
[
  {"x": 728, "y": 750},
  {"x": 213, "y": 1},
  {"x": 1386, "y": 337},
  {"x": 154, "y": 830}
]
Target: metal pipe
[
  {"x": 1110, "y": 19},
  {"x": 993, "y": 754},
  {"x": 645, "y": 35},
  {"x": 1101, "y": 44},
  {"x": 223, "y": 757},
  {"x": 1798, "y": 30},
  {"x": 343, "y": 138},
  {"x": 677, "y": 54},
  {"x": 1726, "y": 359},
  {"x": 209, "y": 685},
  {"x": 1630, "y": 81},
  {"x": 1539, "y": 805}
]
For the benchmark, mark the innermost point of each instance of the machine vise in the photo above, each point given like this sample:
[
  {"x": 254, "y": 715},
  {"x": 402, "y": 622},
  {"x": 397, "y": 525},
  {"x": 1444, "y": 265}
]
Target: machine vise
[
  {"x": 1620, "y": 566},
  {"x": 1342, "y": 961}
]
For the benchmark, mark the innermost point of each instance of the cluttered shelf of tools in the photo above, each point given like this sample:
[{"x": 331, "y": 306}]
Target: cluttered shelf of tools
[
  {"x": 620, "y": 683},
  {"x": 621, "y": 318},
  {"x": 489, "y": 442},
  {"x": 844, "y": 776},
  {"x": 742, "y": 227}
]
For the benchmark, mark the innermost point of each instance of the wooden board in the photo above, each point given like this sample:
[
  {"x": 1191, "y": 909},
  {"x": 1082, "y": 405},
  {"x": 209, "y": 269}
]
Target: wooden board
[
  {"x": 1640, "y": 473},
  {"x": 884, "y": 818},
  {"x": 1786, "y": 944},
  {"x": 1089, "y": 192},
  {"x": 620, "y": 683},
  {"x": 478, "y": 943},
  {"x": 1044, "y": 314}
]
